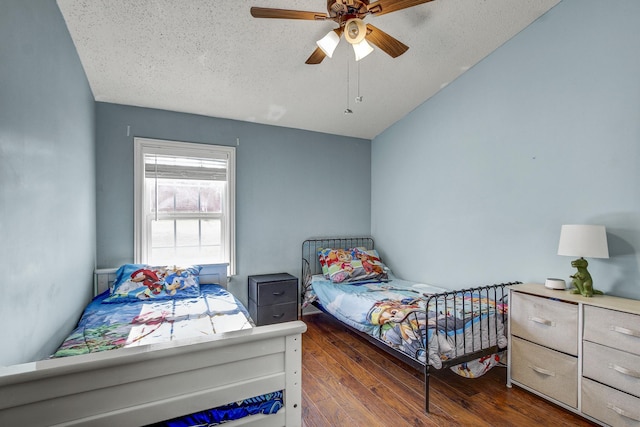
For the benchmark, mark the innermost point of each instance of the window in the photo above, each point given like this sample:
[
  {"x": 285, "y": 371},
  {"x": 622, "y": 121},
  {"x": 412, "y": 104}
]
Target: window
[{"x": 184, "y": 203}]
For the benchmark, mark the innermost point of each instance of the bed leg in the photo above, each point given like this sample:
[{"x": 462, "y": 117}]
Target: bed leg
[{"x": 426, "y": 387}]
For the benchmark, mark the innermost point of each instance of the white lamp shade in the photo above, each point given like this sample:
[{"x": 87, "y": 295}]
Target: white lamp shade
[
  {"x": 362, "y": 49},
  {"x": 329, "y": 43},
  {"x": 589, "y": 241}
]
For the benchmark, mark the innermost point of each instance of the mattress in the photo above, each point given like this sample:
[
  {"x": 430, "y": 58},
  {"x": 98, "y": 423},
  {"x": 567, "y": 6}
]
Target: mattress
[{"x": 397, "y": 313}]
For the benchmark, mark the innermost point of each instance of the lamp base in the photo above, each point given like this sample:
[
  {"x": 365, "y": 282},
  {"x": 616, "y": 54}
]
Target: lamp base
[{"x": 582, "y": 281}]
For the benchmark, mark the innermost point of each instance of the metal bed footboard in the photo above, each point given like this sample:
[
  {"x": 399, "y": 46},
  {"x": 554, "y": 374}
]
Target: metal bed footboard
[
  {"x": 485, "y": 324},
  {"x": 490, "y": 318}
]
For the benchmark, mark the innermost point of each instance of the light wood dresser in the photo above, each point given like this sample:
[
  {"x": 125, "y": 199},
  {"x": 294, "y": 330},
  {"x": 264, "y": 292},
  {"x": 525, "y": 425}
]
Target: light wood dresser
[{"x": 580, "y": 353}]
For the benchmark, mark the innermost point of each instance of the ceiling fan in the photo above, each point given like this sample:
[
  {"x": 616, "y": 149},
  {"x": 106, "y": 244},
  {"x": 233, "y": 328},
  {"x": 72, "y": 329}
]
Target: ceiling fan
[{"x": 349, "y": 15}]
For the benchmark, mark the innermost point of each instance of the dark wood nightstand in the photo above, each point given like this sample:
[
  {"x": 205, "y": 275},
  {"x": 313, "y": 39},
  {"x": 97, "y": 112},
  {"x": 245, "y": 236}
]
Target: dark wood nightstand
[{"x": 273, "y": 298}]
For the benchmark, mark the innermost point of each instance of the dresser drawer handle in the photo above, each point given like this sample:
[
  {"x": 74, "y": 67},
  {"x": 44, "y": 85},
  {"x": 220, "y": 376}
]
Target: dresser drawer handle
[
  {"x": 278, "y": 316},
  {"x": 277, "y": 294},
  {"x": 542, "y": 321},
  {"x": 622, "y": 412},
  {"x": 543, "y": 371},
  {"x": 626, "y": 331},
  {"x": 625, "y": 371}
]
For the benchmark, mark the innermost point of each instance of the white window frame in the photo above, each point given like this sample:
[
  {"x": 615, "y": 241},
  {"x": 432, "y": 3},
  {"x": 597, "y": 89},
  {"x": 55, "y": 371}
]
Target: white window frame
[{"x": 143, "y": 146}]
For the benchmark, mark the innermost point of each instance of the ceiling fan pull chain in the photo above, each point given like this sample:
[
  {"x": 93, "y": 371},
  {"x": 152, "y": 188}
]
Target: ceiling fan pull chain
[
  {"x": 348, "y": 110},
  {"x": 359, "y": 97}
]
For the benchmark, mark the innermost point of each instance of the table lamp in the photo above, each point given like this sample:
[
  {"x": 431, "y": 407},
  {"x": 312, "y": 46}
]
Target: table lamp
[{"x": 583, "y": 241}]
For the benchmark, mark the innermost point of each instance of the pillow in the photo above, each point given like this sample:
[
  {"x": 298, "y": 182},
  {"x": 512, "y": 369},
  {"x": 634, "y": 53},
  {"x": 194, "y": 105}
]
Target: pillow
[
  {"x": 354, "y": 265},
  {"x": 137, "y": 282},
  {"x": 328, "y": 256},
  {"x": 322, "y": 258}
]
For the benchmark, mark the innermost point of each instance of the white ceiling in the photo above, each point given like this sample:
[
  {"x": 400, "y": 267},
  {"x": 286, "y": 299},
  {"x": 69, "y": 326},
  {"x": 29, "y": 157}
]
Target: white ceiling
[{"x": 210, "y": 57}]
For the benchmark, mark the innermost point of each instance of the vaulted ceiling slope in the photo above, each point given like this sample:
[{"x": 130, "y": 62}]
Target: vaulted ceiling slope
[{"x": 211, "y": 57}]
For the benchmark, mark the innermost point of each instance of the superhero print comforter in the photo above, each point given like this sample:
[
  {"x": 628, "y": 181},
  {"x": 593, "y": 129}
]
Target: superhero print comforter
[
  {"x": 133, "y": 323},
  {"x": 107, "y": 326},
  {"x": 400, "y": 314}
]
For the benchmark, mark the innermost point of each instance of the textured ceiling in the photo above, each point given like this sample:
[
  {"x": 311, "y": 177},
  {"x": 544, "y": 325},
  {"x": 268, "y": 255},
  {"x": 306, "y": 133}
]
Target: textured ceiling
[{"x": 210, "y": 57}]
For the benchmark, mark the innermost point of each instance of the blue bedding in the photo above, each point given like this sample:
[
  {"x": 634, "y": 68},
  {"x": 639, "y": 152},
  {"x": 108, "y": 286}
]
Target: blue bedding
[
  {"x": 131, "y": 323},
  {"x": 265, "y": 404},
  {"x": 111, "y": 325},
  {"x": 396, "y": 312}
]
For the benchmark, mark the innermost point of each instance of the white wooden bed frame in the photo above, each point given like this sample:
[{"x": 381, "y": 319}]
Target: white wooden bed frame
[{"x": 142, "y": 385}]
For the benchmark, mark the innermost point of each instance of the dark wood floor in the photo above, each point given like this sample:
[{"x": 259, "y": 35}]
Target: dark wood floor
[{"x": 348, "y": 382}]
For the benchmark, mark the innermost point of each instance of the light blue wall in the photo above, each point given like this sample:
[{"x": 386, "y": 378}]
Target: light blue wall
[
  {"x": 47, "y": 181},
  {"x": 473, "y": 186},
  {"x": 291, "y": 185}
]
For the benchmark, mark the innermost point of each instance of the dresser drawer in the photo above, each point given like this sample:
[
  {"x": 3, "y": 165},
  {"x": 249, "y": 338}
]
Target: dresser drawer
[
  {"x": 552, "y": 373},
  {"x": 612, "y": 328},
  {"x": 273, "y": 289},
  {"x": 269, "y": 314},
  {"x": 545, "y": 321},
  {"x": 613, "y": 367},
  {"x": 609, "y": 405}
]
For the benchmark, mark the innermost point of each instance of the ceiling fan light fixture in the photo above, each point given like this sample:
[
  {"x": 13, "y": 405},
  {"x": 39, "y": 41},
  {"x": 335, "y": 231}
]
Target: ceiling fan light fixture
[
  {"x": 362, "y": 49},
  {"x": 355, "y": 30},
  {"x": 348, "y": 15},
  {"x": 329, "y": 43}
]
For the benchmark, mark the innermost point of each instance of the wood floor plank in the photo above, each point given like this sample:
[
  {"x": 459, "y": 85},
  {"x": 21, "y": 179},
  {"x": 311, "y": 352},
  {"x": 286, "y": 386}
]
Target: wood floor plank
[
  {"x": 321, "y": 396},
  {"x": 349, "y": 382},
  {"x": 391, "y": 403},
  {"x": 445, "y": 412},
  {"x": 334, "y": 383},
  {"x": 349, "y": 386},
  {"x": 392, "y": 392}
]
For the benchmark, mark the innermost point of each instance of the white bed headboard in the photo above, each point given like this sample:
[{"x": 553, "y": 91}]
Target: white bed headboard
[{"x": 209, "y": 274}]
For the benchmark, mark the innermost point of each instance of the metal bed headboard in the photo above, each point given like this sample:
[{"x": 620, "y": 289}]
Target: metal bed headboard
[{"x": 310, "y": 247}]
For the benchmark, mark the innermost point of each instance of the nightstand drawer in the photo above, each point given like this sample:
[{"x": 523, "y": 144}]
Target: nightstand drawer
[
  {"x": 613, "y": 367},
  {"x": 267, "y": 315},
  {"x": 273, "y": 298},
  {"x": 271, "y": 289},
  {"x": 609, "y": 405},
  {"x": 276, "y": 292},
  {"x": 545, "y": 321},
  {"x": 550, "y": 372},
  {"x": 612, "y": 328}
]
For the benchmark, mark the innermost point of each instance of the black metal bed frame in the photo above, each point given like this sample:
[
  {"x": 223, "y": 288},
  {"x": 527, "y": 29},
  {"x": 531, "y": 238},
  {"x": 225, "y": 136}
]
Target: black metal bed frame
[{"x": 441, "y": 303}]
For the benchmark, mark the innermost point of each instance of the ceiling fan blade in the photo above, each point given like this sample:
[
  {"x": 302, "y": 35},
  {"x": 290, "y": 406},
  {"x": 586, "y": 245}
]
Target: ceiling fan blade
[
  {"x": 392, "y": 46},
  {"x": 266, "y": 12},
  {"x": 381, "y": 7},
  {"x": 316, "y": 57}
]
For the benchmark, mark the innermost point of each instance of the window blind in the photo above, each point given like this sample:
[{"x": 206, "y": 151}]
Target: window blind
[{"x": 170, "y": 167}]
